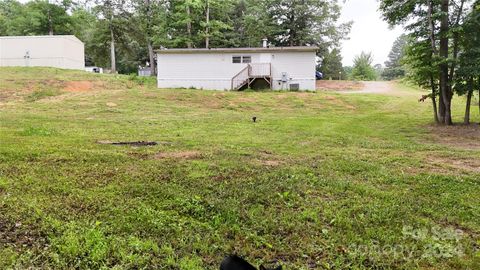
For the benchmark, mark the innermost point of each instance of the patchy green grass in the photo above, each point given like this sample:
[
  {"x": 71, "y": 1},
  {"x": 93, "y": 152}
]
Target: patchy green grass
[
  {"x": 322, "y": 181},
  {"x": 43, "y": 93}
]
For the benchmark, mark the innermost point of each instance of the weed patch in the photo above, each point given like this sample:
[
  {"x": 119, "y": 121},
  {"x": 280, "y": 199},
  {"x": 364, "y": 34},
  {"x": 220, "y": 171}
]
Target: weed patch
[
  {"x": 38, "y": 131},
  {"x": 41, "y": 94}
]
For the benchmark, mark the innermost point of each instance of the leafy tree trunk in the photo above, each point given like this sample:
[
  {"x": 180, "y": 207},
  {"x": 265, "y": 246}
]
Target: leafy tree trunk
[
  {"x": 441, "y": 109},
  {"x": 293, "y": 33},
  {"x": 456, "y": 41},
  {"x": 151, "y": 56},
  {"x": 207, "y": 37},
  {"x": 445, "y": 90},
  {"x": 434, "y": 99},
  {"x": 189, "y": 28},
  {"x": 113, "y": 62},
  {"x": 50, "y": 21},
  {"x": 456, "y": 48},
  {"x": 434, "y": 52},
  {"x": 466, "y": 120}
]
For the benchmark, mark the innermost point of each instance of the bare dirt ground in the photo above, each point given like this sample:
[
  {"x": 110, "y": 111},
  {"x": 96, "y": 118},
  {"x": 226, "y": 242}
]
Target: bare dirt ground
[
  {"x": 339, "y": 85},
  {"x": 179, "y": 155},
  {"x": 378, "y": 87},
  {"x": 353, "y": 87},
  {"x": 383, "y": 88},
  {"x": 458, "y": 136},
  {"x": 79, "y": 86},
  {"x": 374, "y": 88}
]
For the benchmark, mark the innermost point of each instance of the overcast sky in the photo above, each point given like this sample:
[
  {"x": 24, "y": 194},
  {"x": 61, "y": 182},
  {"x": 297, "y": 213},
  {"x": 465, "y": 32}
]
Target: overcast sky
[{"x": 369, "y": 32}]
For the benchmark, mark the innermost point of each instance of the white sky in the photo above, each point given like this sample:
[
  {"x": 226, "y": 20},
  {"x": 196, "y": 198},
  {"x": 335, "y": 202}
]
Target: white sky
[{"x": 369, "y": 32}]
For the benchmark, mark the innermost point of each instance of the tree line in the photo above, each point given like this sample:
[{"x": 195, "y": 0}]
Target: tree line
[{"x": 122, "y": 34}]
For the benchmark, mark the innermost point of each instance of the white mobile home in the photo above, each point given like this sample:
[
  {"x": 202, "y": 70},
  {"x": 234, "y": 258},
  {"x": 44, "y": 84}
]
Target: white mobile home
[
  {"x": 43, "y": 51},
  {"x": 278, "y": 68}
]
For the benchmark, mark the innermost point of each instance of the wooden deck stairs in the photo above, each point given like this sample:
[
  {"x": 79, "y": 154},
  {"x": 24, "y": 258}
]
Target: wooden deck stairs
[{"x": 252, "y": 72}]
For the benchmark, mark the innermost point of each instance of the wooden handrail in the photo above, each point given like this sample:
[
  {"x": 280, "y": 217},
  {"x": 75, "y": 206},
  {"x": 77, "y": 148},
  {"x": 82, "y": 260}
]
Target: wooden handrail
[
  {"x": 242, "y": 72},
  {"x": 260, "y": 70},
  {"x": 250, "y": 73}
]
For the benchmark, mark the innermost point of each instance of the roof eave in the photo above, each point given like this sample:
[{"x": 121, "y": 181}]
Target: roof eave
[{"x": 237, "y": 50}]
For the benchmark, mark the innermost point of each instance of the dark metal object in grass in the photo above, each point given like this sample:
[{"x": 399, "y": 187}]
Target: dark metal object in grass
[
  {"x": 138, "y": 143},
  {"x": 234, "y": 262}
]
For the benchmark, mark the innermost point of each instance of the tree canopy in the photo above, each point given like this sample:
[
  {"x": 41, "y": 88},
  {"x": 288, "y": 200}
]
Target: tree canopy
[
  {"x": 439, "y": 48},
  {"x": 394, "y": 67},
  {"x": 121, "y": 34},
  {"x": 331, "y": 65},
  {"x": 362, "y": 67}
]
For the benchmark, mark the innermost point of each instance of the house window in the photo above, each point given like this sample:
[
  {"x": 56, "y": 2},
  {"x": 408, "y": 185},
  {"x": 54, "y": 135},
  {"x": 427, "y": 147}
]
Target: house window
[
  {"x": 247, "y": 59},
  {"x": 241, "y": 59}
]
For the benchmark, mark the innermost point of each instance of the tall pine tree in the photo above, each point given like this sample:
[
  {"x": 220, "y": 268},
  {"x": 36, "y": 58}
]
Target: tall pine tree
[
  {"x": 393, "y": 67},
  {"x": 331, "y": 66}
]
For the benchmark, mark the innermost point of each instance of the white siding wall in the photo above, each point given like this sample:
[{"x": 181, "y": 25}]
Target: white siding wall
[
  {"x": 300, "y": 69},
  {"x": 74, "y": 53},
  {"x": 47, "y": 51},
  {"x": 215, "y": 71}
]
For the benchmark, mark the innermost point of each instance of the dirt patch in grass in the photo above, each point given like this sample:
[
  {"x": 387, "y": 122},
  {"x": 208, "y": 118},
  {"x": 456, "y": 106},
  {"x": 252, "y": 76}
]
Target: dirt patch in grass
[
  {"x": 267, "y": 158},
  {"x": 245, "y": 100},
  {"x": 79, "y": 86},
  {"x": 19, "y": 236},
  {"x": 469, "y": 231},
  {"x": 339, "y": 102},
  {"x": 179, "y": 155},
  {"x": 447, "y": 164},
  {"x": 270, "y": 163},
  {"x": 33, "y": 89},
  {"x": 458, "y": 136},
  {"x": 339, "y": 85},
  {"x": 299, "y": 95},
  {"x": 6, "y": 96}
]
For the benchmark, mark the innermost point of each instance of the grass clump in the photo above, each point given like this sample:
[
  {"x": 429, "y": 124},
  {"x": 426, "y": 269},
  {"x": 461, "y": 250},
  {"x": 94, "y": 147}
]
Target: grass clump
[
  {"x": 37, "y": 131},
  {"x": 42, "y": 93}
]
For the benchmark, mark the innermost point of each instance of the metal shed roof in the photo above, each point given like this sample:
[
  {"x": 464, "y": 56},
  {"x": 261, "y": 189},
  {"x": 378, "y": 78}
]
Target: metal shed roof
[
  {"x": 69, "y": 37},
  {"x": 239, "y": 50}
]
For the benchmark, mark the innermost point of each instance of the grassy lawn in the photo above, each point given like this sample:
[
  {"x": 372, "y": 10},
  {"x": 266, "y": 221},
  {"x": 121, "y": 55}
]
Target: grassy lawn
[{"x": 321, "y": 181}]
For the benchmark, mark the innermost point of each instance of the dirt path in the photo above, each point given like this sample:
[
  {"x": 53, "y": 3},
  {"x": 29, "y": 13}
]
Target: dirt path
[
  {"x": 374, "y": 88},
  {"x": 379, "y": 87}
]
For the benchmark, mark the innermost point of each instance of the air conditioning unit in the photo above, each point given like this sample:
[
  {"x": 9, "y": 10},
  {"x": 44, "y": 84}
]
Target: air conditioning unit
[{"x": 294, "y": 87}]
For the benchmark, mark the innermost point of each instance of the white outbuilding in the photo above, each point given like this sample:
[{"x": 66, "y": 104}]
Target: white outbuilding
[
  {"x": 277, "y": 68},
  {"x": 63, "y": 51}
]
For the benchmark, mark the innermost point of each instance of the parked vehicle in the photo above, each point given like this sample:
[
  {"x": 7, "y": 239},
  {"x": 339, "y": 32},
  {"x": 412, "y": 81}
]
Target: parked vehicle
[{"x": 318, "y": 75}]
